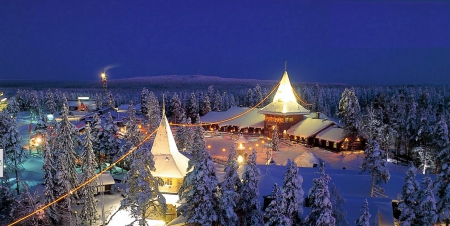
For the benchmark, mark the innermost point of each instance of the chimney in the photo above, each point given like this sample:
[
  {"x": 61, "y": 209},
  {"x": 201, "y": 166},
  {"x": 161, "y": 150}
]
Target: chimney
[{"x": 317, "y": 115}]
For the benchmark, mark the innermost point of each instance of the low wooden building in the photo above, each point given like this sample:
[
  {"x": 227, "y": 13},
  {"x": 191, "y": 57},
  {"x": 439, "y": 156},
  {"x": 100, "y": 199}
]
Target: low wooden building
[{"x": 333, "y": 138}]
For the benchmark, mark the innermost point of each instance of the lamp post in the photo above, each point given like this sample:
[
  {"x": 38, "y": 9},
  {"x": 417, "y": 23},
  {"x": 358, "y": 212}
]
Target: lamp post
[
  {"x": 240, "y": 146},
  {"x": 103, "y": 199}
]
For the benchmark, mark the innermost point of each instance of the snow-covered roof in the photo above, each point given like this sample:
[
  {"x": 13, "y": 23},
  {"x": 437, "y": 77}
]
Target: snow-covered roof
[
  {"x": 307, "y": 159},
  {"x": 284, "y": 102},
  {"x": 169, "y": 162},
  {"x": 333, "y": 134},
  {"x": 284, "y": 108},
  {"x": 179, "y": 221},
  {"x": 251, "y": 119},
  {"x": 309, "y": 127},
  {"x": 106, "y": 179}
]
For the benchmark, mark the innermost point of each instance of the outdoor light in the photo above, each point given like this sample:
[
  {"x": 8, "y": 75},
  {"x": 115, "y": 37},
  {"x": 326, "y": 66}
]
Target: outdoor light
[
  {"x": 240, "y": 159},
  {"x": 256, "y": 145},
  {"x": 38, "y": 140},
  {"x": 223, "y": 149},
  {"x": 50, "y": 117},
  {"x": 103, "y": 75},
  {"x": 209, "y": 146}
]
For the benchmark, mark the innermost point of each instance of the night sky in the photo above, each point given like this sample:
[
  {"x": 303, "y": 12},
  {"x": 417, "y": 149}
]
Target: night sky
[{"x": 353, "y": 42}]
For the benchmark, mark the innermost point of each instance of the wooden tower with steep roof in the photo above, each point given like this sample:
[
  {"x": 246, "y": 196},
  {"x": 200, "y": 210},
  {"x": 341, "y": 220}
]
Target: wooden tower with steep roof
[{"x": 284, "y": 111}]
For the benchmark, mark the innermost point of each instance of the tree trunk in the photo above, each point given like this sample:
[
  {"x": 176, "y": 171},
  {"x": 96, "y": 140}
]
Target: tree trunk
[
  {"x": 372, "y": 187},
  {"x": 16, "y": 171}
]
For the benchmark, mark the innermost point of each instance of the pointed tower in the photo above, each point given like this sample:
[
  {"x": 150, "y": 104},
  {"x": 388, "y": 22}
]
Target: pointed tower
[
  {"x": 284, "y": 111},
  {"x": 170, "y": 164}
]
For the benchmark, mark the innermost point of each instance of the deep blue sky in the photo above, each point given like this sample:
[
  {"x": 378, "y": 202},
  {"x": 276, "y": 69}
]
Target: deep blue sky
[{"x": 355, "y": 42}]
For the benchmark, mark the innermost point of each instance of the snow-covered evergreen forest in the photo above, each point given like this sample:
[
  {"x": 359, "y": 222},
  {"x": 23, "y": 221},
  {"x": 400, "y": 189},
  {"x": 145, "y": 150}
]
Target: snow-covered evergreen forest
[{"x": 404, "y": 124}]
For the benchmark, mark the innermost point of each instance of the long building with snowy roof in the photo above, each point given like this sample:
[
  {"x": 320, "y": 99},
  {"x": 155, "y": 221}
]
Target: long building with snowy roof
[{"x": 292, "y": 120}]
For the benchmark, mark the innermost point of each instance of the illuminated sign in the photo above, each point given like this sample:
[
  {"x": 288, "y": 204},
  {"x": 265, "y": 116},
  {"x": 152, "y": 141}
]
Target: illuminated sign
[
  {"x": 83, "y": 98},
  {"x": 274, "y": 119},
  {"x": 1, "y": 162}
]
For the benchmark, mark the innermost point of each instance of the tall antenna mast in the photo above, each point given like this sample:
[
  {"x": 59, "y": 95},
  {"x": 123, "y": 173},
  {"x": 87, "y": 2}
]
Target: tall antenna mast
[
  {"x": 285, "y": 65},
  {"x": 103, "y": 75}
]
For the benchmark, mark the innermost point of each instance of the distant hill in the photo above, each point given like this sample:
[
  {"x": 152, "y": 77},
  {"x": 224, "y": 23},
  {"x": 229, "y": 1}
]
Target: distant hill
[{"x": 163, "y": 82}]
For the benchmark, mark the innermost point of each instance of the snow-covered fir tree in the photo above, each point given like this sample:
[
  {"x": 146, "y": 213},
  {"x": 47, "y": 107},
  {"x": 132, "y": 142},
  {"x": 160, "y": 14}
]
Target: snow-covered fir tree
[
  {"x": 13, "y": 106},
  {"x": 144, "y": 101},
  {"x": 49, "y": 170},
  {"x": 229, "y": 188},
  {"x": 89, "y": 164},
  {"x": 364, "y": 218},
  {"x": 110, "y": 100},
  {"x": 249, "y": 101},
  {"x": 142, "y": 195},
  {"x": 349, "y": 112},
  {"x": 408, "y": 198},
  {"x": 257, "y": 92},
  {"x": 97, "y": 139},
  {"x": 131, "y": 115},
  {"x": 98, "y": 101},
  {"x": 28, "y": 203},
  {"x": 6, "y": 201},
  {"x": 66, "y": 177},
  {"x": 249, "y": 206},
  {"x": 442, "y": 189},
  {"x": 375, "y": 163},
  {"x": 110, "y": 143},
  {"x": 440, "y": 139},
  {"x": 14, "y": 154},
  {"x": 275, "y": 140},
  {"x": 34, "y": 104},
  {"x": 50, "y": 104},
  {"x": 197, "y": 140},
  {"x": 217, "y": 103},
  {"x": 198, "y": 192},
  {"x": 192, "y": 108},
  {"x": 426, "y": 213},
  {"x": 206, "y": 106},
  {"x": 132, "y": 139},
  {"x": 292, "y": 194},
  {"x": 154, "y": 113},
  {"x": 275, "y": 211},
  {"x": 176, "y": 111},
  {"x": 338, "y": 211},
  {"x": 320, "y": 201},
  {"x": 184, "y": 135},
  {"x": 424, "y": 141}
]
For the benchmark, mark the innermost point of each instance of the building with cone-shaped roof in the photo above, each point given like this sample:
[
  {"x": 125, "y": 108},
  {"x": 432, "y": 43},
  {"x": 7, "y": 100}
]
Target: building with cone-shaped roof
[
  {"x": 171, "y": 166},
  {"x": 169, "y": 162},
  {"x": 284, "y": 111}
]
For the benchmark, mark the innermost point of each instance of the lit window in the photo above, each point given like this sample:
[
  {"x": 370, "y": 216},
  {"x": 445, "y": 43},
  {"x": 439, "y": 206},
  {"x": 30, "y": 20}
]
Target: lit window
[
  {"x": 334, "y": 145},
  {"x": 327, "y": 143},
  {"x": 168, "y": 181}
]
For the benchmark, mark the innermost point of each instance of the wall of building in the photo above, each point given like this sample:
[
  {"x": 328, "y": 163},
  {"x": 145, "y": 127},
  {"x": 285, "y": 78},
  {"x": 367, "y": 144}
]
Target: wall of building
[{"x": 171, "y": 185}]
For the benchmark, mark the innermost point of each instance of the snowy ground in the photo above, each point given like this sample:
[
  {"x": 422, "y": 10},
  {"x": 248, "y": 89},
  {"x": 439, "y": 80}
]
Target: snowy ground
[{"x": 333, "y": 160}]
